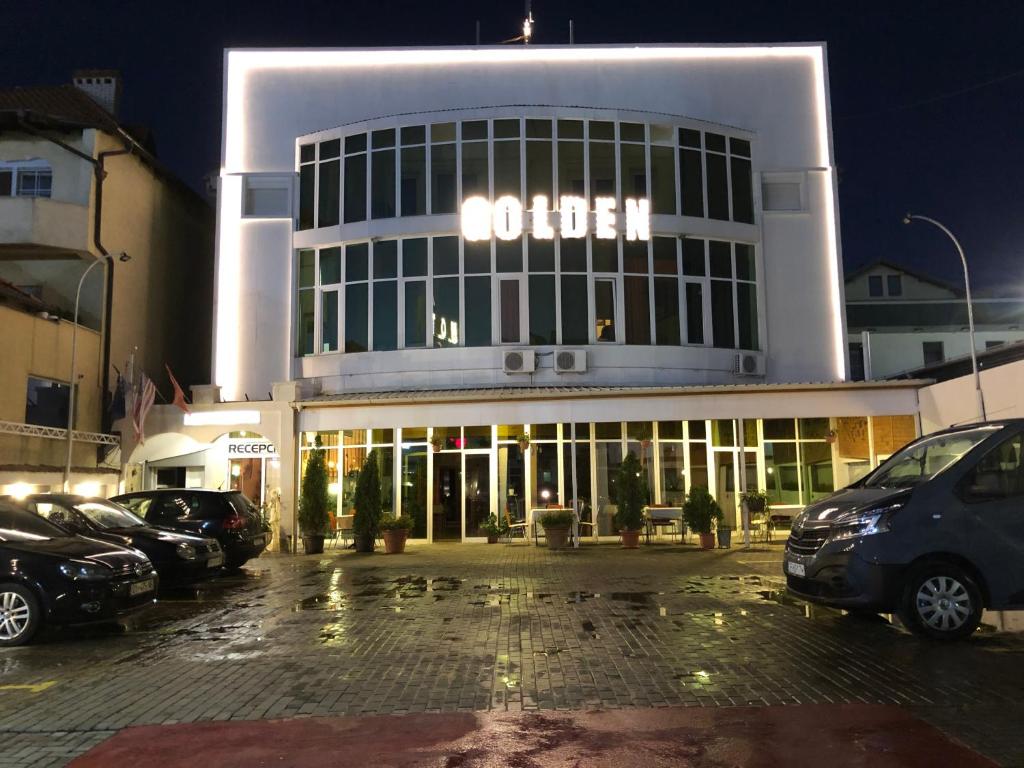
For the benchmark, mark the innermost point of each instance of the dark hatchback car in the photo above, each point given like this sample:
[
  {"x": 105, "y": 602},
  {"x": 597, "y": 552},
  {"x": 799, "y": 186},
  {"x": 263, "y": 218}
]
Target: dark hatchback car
[
  {"x": 48, "y": 576},
  {"x": 226, "y": 516},
  {"x": 934, "y": 534},
  {"x": 177, "y": 557}
]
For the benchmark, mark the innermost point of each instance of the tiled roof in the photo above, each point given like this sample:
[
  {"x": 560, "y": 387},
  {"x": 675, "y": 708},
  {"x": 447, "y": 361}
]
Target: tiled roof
[{"x": 57, "y": 104}]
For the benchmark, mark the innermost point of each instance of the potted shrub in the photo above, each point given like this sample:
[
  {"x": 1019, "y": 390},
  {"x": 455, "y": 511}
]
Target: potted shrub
[
  {"x": 437, "y": 443},
  {"x": 701, "y": 512},
  {"x": 366, "y": 524},
  {"x": 493, "y": 528},
  {"x": 556, "y": 524},
  {"x": 757, "y": 501},
  {"x": 632, "y": 495},
  {"x": 395, "y": 531},
  {"x": 524, "y": 441},
  {"x": 314, "y": 517}
]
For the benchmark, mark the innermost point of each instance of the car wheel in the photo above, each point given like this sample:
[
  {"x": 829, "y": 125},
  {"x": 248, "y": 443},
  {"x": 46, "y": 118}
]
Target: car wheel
[
  {"x": 234, "y": 565},
  {"x": 20, "y": 614},
  {"x": 941, "y": 601}
]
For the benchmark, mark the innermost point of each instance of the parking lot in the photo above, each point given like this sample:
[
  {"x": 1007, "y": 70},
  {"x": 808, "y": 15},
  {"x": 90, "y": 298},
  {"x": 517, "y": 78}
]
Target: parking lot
[{"x": 497, "y": 628}]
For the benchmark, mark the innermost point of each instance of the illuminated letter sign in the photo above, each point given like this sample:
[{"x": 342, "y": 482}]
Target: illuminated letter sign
[{"x": 506, "y": 218}]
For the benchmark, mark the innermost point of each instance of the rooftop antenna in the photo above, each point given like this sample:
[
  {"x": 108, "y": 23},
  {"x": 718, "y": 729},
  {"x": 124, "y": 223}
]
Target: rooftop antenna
[
  {"x": 528, "y": 24},
  {"x": 572, "y": 39},
  {"x": 478, "y": 32}
]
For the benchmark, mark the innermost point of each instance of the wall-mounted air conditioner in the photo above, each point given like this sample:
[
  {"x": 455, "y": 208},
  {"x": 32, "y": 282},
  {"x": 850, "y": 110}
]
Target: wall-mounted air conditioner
[
  {"x": 570, "y": 360},
  {"x": 749, "y": 364},
  {"x": 519, "y": 361}
]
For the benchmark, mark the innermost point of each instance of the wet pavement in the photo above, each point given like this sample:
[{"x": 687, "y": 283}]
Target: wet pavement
[{"x": 501, "y": 629}]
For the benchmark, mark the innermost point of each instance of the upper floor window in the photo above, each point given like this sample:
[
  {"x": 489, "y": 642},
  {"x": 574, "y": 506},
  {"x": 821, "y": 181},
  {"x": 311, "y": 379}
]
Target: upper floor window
[
  {"x": 26, "y": 178},
  {"x": 875, "y": 285},
  {"x": 894, "y": 284},
  {"x": 46, "y": 402}
]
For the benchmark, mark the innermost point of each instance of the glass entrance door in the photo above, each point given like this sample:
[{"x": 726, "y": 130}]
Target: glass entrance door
[
  {"x": 447, "y": 497},
  {"x": 247, "y": 477},
  {"x": 726, "y": 491},
  {"x": 477, "y": 475}
]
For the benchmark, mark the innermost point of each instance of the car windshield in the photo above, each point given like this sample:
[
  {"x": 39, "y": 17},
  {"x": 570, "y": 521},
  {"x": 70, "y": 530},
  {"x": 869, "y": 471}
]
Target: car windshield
[
  {"x": 18, "y": 524},
  {"x": 106, "y": 514},
  {"x": 925, "y": 458}
]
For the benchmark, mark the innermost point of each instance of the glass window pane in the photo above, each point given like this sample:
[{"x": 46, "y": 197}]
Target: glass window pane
[
  {"x": 477, "y": 256},
  {"x": 575, "y": 312},
  {"x": 414, "y": 257},
  {"x": 509, "y": 319},
  {"x": 718, "y": 187},
  {"x": 605, "y": 254},
  {"x": 603, "y": 130},
  {"x": 541, "y": 254},
  {"x": 307, "y": 187},
  {"x": 329, "y": 205},
  {"x": 442, "y": 178},
  {"x": 779, "y": 429},
  {"x": 474, "y": 129},
  {"x": 781, "y": 474},
  {"x": 663, "y": 180},
  {"x": 634, "y": 170},
  {"x": 414, "y": 134},
  {"x": 693, "y": 257},
  {"x": 508, "y": 255},
  {"x": 673, "y": 475},
  {"x": 383, "y": 184},
  {"x": 634, "y": 257},
  {"x": 305, "y": 328},
  {"x": 544, "y": 469},
  {"x": 637, "y": 304},
  {"x": 746, "y": 297},
  {"x": 538, "y": 129},
  {"x": 446, "y": 312},
  {"x": 382, "y": 138},
  {"x": 742, "y": 190},
  {"x": 572, "y": 255},
  {"x": 415, "y": 314},
  {"x": 723, "y": 333},
  {"x": 355, "y": 188},
  {"x": 385, "y": 315},
  {"x": 694, "y": 313},
  {"x": 355, "y": 143},
  {"x": 506, "y": 168},
  {"x": 745, "y": 261},
  {"x": 478, "y": 311},
  {"x": 631, "y": 131},
  {"x": 720, "y": 257},
  {"x": 330, "y": 266},
  {"x": 307, "y": 269},
  {"x": 356, "y": 309},
  {"x": 739, "y": 147},
  {"x": 813, "y": 429},
  {"x": 506, "y": 129},
  {"x": 666, "y": 310},
  {"x": 539, "y": 170},
  {"x": 307, "y": 152},
  {"x": 692, "y": 176},
  {"x": 570, "y": 129},
  {"x": 475, "y": 177},
  {"x": 816, "y": 461},
  {"x": 356, "y": 257},
  {"x": 604, "y": 310},
  {"x": 570, "y": 168},
  {"x": 542, "y": 309},
  {"x": 442, "y": 132},
  {"x": 602, "y": 169},
  {"x": 385, "y": 259},
  {"x": 446, "y": 255},
  {"x": 665, "y": 256},
  {"x": 414, "y": 180},
  {"x": 714, "y": 142},
  {"x": 670, "y": 430}
]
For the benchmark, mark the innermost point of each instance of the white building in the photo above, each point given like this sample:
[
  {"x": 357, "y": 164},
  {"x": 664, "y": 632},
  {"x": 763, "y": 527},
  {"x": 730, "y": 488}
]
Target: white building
[{"x": 350, "y": 305}]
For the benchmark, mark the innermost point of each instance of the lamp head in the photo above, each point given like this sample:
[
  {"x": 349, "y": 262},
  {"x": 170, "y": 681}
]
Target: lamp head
[
  {"x": 123, "y": 256},
  {"x": 907, "y": 217}
]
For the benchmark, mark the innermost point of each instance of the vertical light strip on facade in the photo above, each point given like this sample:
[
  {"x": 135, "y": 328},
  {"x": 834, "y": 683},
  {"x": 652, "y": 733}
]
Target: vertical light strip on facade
[
  {"x": 227, "y": 286},
  {"x": 240, "y": 63}
]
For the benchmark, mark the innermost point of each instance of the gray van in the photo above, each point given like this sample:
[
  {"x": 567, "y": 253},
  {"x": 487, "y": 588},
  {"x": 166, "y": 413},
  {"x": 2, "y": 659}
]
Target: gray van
[{"x": 935, "y": 534}]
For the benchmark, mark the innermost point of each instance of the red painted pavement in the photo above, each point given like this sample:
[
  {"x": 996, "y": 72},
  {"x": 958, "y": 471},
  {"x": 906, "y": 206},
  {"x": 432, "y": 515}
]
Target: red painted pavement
[{"x": 820, "y": 735}]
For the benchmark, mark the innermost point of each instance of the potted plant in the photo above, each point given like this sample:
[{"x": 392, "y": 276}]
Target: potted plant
[
  {"x": 366, "y": 524},
  {"x": 724, "y": 531},
  {"x": 632, "y": 495},
  {"x": 437, "y": 443},
  {"x": 556, "y": 524},
  {"x": 757, "y": 501},
  {"x": 314, "y": 518},
  {"x": 524, "y": 441},
  {"x": 395, "y": 531},
  {"x": 493, "y": 528},
  {"x": 701, "y": 512}
]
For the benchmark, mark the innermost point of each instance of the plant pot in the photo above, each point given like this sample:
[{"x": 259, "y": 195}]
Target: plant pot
[
  {"x": 557, "y": 538},
  {"x": 436, "y": 447},
  {"x": 756, "y": 506},
  {"x": 394, "y": 540},
  {"x": 707, "y": 541},
  {"x": 313, "y": 545},
  {"x": 364, "y": 542},
  {"x": 725, "y": 537},
  {"x": 492, "y": 538},
  {"x": 630, "y": 539},
  {"x": 523, "y": 445}
]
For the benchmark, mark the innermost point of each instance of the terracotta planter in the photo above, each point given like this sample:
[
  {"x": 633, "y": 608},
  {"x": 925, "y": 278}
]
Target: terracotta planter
[
  {"x": 630, "y": 539},
  {"x": 707, "y": 541},
  {"x": 313, "y": 545},
  {"x": 394, "y": 540},
  {"x": 557, "y": 537}
]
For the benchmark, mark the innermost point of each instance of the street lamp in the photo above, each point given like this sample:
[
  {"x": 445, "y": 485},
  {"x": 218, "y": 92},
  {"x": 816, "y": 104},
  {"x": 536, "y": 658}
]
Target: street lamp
[
  {"x": 970, "y": 308},
  {"x": 106, "y": 258}
]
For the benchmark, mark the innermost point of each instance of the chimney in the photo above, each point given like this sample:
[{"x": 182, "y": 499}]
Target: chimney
[{"x": 101, "y": 85}]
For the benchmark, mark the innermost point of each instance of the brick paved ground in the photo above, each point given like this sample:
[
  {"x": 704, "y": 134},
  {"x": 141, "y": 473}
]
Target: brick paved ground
[{"x": 505, "y": 627}]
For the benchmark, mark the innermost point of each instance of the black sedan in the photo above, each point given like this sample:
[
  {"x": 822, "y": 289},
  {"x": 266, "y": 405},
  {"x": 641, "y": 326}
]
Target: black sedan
[
  {"x": 48, "y": 576},
  {"x": 177, "y": 557}
]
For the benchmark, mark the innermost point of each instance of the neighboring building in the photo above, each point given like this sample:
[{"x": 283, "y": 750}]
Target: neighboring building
[
  {"x": 374, "y": 288},
  {"x": 899, "y": 320},
  {"x": 74, "y": 180}
]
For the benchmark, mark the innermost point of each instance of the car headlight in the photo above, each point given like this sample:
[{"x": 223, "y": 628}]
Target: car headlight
[
  {"x": 186, "y": 551},
  {"x": 866, "y": 523},
  {"x": 84, "y": 571}
]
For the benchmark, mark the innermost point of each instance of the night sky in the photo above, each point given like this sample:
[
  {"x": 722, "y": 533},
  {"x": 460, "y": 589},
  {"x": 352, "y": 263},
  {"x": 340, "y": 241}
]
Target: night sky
[{"x": 927, "y": 97}]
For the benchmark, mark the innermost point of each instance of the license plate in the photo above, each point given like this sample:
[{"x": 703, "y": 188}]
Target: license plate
[
  {"x": 215, "y": 562},
  {"x": 140, "y": 587},
  {"x": 797, "y": 569},
  {"x": 259, "y": 541}
]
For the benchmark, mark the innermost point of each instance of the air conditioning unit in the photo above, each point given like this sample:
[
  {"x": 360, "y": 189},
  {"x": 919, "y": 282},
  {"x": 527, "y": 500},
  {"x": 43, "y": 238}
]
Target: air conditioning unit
[
  {"x": 570, "y": 361},
  {"x": 749, "y": 364},
  {"x": 519, "y": 361}
]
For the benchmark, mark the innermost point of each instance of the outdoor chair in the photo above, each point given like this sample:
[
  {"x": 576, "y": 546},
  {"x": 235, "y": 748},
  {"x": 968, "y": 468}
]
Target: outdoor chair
[
  {"x": 513, "y": 522},
  {"x": 343, "y": 528},
  {"x": 582, "y": 506}
]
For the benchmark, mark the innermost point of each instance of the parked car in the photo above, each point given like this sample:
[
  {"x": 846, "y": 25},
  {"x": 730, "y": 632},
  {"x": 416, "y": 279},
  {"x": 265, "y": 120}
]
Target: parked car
[
  {"x": 934, "y": 534},
  {"x": 226, "y": 516},
  {"x": 176, "y": 556},
  {"x": 48, "y": 576}
]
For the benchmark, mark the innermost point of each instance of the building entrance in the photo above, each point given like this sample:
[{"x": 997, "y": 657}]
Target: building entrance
[{"x": 447, "y": 496}]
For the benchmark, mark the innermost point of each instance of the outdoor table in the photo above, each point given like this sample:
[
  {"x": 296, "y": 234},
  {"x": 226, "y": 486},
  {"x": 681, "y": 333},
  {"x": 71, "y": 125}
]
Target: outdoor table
[
  {"x": 534, "y": 513},
  {"x": 653, "y": 515}
]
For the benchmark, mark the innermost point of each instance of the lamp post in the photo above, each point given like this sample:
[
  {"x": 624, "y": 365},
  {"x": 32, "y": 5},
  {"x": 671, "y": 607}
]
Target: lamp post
[
  {"x": 970, "y": 307},
  {"x": 106, "y": 258}
]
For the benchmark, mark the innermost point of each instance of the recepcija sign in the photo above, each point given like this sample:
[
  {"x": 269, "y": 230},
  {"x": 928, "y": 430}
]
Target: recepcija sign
[
  {"x": 506, "y": 218},
  {"x": 240, "y": 448}
]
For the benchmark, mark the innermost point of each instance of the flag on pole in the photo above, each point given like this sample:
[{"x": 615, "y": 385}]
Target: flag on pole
[
  {"x": 179, "y": 395},
  {"x": 118, "y": 407},
  {"x": 143, "y": 399}
]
